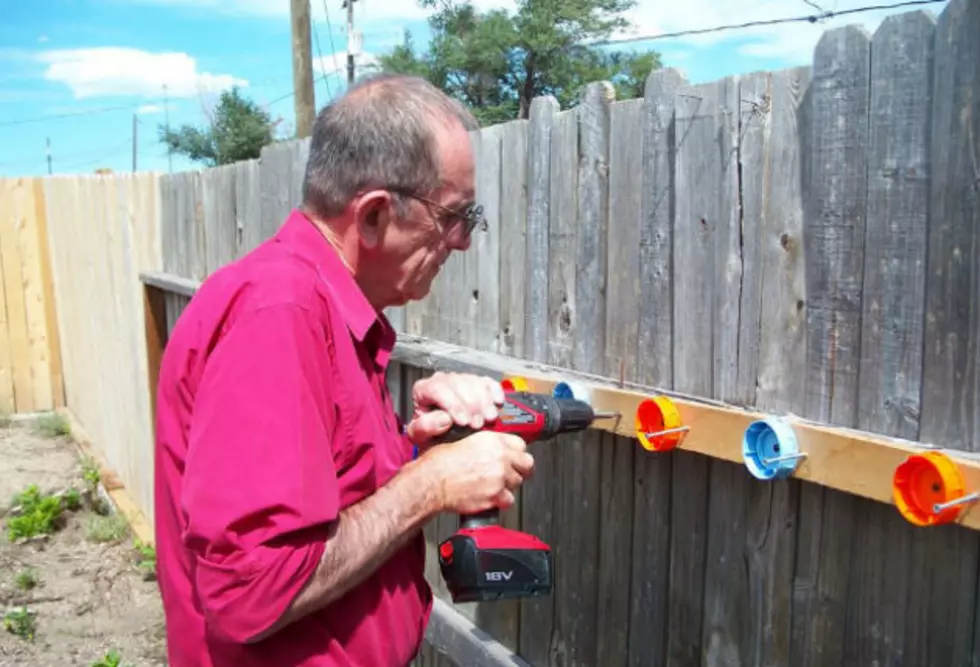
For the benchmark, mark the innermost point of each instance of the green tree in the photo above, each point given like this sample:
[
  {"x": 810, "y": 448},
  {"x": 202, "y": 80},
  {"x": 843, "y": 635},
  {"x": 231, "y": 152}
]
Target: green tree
[
  {"x": 496, "y": 62},
  {"x": 238, "y": 130}
]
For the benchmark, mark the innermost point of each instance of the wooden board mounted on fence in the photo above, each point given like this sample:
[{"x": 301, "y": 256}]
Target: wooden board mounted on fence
[{"x": 856, "y": 462}]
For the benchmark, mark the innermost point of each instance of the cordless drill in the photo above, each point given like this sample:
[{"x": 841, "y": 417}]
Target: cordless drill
[{"x": 483, "y": 560}]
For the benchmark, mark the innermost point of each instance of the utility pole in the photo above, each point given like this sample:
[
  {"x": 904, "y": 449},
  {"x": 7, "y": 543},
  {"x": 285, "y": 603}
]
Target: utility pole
[
  {"x": 134, "y": 142},
  {"x": 299, "y": 11},
  {"x": 350, "y": 41}
]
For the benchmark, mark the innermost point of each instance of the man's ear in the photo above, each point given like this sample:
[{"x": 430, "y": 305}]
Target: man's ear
[{"x": 372, "y": 211}]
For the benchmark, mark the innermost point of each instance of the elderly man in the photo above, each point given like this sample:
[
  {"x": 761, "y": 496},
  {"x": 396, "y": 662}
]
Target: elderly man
[{"x": 289, "y": 504}]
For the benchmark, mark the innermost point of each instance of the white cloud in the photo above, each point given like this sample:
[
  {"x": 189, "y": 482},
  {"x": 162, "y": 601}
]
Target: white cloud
[
  {"x": 106, "y": 71},
  {"x": 43, "y": 39},
  {"x": 149, "y": 109}
]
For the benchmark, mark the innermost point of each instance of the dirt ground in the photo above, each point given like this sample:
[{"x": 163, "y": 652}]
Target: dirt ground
[{"x": 82, "y": 594}]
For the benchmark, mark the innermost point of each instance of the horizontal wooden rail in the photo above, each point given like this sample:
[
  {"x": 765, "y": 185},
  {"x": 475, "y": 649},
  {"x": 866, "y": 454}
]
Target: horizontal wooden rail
[
  {"x": 857, "y": 462},
  {"x": 166, "y": 282}
]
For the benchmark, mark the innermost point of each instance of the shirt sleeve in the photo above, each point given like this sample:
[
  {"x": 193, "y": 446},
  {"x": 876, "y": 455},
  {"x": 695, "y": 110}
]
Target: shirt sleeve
[{"x": 260, "y": 486}]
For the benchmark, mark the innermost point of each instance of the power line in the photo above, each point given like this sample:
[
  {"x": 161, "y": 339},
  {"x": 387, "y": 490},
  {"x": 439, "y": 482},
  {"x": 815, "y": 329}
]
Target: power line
[
  {"x": 333, "y": 49},
  {"x": 811, "y": 18},
  {"x": 815, "y": 6},
  {"x": 120, "y": 107},
  {"x": 70, "y": 114}
]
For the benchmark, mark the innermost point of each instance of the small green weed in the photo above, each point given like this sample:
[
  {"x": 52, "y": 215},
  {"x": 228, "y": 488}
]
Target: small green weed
[
  {"x": 110, "y": 659},
  {"x": 21, "y": 622},
  {"x": 27, "y": 579},
  {"x": 92, "y": 477},
  {"x": 72, "y": 499},
  {"x": 146, "y": 559},
  {"x": 90, "y": 473},
  {"x": 39, "y": 514}
]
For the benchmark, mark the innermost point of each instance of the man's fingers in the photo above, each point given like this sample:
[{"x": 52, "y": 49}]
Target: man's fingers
[
  {"x": 505, "y": 500},
  {"x": 496, "y": 392},
  {"x": 470, "y": 399},
  {"x": 474, "y": 397},
  {"x": 476, "y": 394},
  {"x": 513, "y": 480},
  {"x": 523, "y": 463},
  {"x": 428, "y": 425},
  {"x": 491, "y": 390},
  {"x": 515, "y": 442},
  {"x": 439, "y": 392}
]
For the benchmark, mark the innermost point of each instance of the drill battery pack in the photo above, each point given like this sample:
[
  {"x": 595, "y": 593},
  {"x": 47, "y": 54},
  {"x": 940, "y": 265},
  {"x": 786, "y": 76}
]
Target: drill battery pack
[{"x": 495, "y": 563}]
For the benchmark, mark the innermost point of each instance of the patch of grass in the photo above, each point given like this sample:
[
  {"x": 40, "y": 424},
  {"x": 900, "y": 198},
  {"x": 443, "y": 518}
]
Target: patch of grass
[
  {"x": 52, "y": 425},
  {"x": 38, "y": 514},
  {"x": 21, "y": 622},
  {"x": 27, "y": 579},
  {"x": 111, "y": 528}
]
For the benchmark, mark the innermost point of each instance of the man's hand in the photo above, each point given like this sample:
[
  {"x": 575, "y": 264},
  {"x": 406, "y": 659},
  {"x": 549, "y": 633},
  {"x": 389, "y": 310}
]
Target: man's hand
[
  {"x": 445, "y": 398},
  {"x": 478, "y": 472}
]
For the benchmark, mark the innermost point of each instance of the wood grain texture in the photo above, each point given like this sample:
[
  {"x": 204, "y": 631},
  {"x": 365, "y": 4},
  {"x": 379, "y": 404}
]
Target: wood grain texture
[
  {"x": 619, "y": 360},
  {"x": 537, "y": 515},
  {"x": 539, "y": 152},
  {"x": 220, "y": 216},
  {"x": 771, "y": 175},
  {"x": 942, "y": 604},
  {"x": 890, "y": 374},
  {"x": 486, "y": 243},
  {"x": 511, "y": 230},
  {"x": 575, "y": 533},
  {"x": 835, "y": 195},
  {"x": 650, "y": 555}
]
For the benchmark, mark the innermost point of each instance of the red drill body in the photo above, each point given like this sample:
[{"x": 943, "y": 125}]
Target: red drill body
[{"x": 483, "y": 560}]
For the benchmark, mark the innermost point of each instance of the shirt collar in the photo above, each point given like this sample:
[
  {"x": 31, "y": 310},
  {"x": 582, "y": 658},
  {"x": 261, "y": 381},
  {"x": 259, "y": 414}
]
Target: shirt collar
[{"x": 367, "y": 325}]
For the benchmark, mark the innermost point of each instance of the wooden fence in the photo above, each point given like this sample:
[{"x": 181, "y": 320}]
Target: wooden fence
[
  {"x": 30, "y": 363},
  {"x": 103, "y": 231},
  {"x": 804, "y": 241}
]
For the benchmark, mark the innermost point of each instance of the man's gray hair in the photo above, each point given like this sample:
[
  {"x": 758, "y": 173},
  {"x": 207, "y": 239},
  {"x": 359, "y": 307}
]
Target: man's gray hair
[{"x": 380, "y": 134}]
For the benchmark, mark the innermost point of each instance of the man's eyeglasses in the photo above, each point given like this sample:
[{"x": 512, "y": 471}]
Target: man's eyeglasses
[{"x": 471, "y": 217}]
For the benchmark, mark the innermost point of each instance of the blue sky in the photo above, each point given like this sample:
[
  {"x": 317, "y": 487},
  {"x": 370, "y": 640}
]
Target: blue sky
[{"x": 75, "y": 72}]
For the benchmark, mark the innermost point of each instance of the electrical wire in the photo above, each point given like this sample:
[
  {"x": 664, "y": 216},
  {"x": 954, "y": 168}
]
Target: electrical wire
[
  {"x": 319, "y": 53},
  {"x": 815, "y": 6},
  {"x": 120, "y": 107},
  {"x": 81, "y": 112},
  {"x": 333, "y": 48},
  {"x": 812, "y": 18}
]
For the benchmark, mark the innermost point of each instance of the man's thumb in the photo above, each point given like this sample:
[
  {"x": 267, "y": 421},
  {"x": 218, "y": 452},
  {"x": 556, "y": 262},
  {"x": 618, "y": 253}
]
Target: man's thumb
[{"x": 428, "y": 425}]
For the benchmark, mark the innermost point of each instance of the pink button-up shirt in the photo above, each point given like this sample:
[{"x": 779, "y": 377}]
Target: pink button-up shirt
[{"x": 272, "y": 417}]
